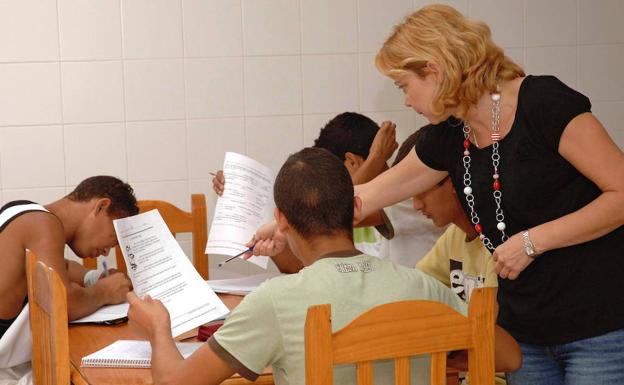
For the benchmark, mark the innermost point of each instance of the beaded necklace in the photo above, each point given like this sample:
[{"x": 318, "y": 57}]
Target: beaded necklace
[{"x": 496, "y": 185}]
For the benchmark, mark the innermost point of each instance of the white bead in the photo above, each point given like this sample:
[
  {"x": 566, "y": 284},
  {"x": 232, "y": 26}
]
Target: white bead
[
  {"x": 466, "y": 152},
  {"x": 495, "y": 176},
  {"x": 467, "y": 190},
  {"x": 481, "y": 236},
  {"x": 501, "y": 226},
  {"x": 496, "y": 96}
]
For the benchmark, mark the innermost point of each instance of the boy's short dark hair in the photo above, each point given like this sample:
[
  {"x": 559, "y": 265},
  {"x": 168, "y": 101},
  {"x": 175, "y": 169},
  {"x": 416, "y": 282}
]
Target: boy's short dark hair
[
  {"x": 405, "y": 148},
  {"x": 121, "y": 194},
  {"x": 314, "y": 191},
  {"x": 348, "y": 132}
]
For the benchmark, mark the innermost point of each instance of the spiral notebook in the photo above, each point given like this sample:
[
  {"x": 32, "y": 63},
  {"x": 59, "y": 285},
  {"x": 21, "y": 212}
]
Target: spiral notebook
[{"x": 130, "y": 354}]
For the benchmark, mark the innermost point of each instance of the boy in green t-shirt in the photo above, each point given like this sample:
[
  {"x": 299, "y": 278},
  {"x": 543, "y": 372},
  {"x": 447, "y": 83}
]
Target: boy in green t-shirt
[{"x": 266, "y": 329}]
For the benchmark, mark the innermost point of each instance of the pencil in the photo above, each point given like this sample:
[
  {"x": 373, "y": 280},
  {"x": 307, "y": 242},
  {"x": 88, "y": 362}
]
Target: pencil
[{"x": 249, "y": 250}]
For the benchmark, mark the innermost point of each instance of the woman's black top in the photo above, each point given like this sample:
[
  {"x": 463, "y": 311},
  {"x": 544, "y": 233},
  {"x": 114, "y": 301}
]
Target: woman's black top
[{"x": 566, "y": 294}]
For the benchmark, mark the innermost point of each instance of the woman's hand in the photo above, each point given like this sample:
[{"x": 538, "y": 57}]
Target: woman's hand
[{"x": 511, "y": 258}]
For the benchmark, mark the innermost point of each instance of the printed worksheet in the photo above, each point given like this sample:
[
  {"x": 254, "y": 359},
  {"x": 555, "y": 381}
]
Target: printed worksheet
[
  {"x": 157, "y": 266},
  {"x": 246, "y": 204}
]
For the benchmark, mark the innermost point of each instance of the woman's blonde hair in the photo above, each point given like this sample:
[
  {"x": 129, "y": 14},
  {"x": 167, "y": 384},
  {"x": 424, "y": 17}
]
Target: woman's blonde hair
[{"x": 469, "y": 61}]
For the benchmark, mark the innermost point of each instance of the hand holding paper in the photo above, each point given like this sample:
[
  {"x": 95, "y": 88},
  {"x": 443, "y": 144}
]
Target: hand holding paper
[
  {"x": 246, "y": 203},
  {"x": 148, "y": 317},
  {"x": 159, "y": 268}
]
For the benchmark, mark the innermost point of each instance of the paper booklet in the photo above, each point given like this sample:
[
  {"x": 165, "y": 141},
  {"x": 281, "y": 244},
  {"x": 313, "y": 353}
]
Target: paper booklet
[
  {"x": 240, "y": 286},
  {"x": 131, "y": 354},
  {"x": 109, "y": 315},
  {"x": 246, "y": 204},
  {"x": 157, "y": 266}
]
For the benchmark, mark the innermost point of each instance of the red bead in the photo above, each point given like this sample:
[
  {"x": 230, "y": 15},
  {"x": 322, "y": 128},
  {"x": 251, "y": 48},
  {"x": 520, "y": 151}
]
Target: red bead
[
  {"x": 466, "y": 143},
  {"x": 478, "y": 228},
  {"x": 496, "y": 185}
]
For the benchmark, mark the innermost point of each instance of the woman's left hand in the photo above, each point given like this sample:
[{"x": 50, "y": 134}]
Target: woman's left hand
[{"x": 510, "y": 258}]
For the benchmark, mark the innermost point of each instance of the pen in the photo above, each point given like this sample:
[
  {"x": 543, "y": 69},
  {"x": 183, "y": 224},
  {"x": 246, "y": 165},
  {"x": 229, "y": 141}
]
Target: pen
[
  {"x": 212, "y": 173},
  {"x": 249, "y": 250},
  {"x": 105, "y": 274}
]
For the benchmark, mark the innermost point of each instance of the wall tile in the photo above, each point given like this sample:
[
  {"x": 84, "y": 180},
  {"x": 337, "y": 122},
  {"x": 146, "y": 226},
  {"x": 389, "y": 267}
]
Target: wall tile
[
  {"x": 328, "y": 26},
  {"x": 90, "y": 29},
  {"x": 207, "y": 144},
  {"x": 600, "y": 21},
  {"x": 330, "y": 83},
  {"x": 504, "y": 18},
  {"x": 212, "y": 28},
  {"x": 175, "y": 192},
  {"x": 92, "y": 91},
  {"x": 312, "y": 125},
  {"x": 460, "y": 5},
  {"x": 40, "y": 195},
  {"x": 377, "y": 91},
  {"x": 28, "y": 31},
  {"x": 557, "y": 61},
  {"x": 600, "y": 72},
  {"x": 32, "y": 157},
  {"x": 152, "y": 29},
  {"x": 516, "y": 54},
  {"x": 214, "y": 87},
  {"x": 271, "y": 27},
  {"x": 95, "y": 149},
  {"x": 263, "y": 133},
  {"x": 272, "y": 85},
  {"x": 376, "y": 19},
  {"x": 156, "y": 151},
  {"x": 543, "y": 28},
  {"x": 154, "y": 89},
  {"x": 611, "y": 115},
  {"x": 30, "y": 94}
]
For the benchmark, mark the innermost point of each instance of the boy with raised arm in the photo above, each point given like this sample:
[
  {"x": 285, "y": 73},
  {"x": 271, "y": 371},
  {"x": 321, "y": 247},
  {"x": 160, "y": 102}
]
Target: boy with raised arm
[
  {"x": 364, "y": 147},
  {"x": 266, "y": 329}
]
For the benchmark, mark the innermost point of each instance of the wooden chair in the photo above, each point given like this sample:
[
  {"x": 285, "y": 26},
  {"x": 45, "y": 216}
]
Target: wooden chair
[
  {"x": 47, "y": 298},
  {"x": 400, "y": 330},
  {"x": 180, "y": 221}
]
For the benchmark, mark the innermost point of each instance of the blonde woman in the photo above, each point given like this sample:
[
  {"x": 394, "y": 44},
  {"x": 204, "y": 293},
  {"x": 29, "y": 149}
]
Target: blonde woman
[{"x": 539, "y": 178}]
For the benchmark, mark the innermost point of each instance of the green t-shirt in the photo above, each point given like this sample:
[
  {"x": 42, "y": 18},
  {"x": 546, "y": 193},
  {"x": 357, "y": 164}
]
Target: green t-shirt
[{"x": 266, "y": 329}]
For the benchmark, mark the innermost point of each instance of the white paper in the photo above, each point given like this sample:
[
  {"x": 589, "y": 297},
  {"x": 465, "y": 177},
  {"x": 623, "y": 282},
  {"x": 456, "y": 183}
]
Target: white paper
[
  {"x": 105, "y": 313},
  {"x": 157, "y": 266},
  {"x": 241, "y": 286},
  {"x": 131, "y": 353},
  {"x": 246, "y": 204}
]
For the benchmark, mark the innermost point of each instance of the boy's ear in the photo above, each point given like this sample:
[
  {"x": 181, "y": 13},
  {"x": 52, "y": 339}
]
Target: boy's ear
[
  {"x": 102, "y": 205},
  {"x": 282, "y": 223},
  {"x": 352, "y": 162},
  {"x": 357, "y": 209}
]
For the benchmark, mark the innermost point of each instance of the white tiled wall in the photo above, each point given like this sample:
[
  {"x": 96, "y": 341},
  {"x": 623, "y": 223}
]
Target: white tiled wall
[{"x": 155, "y": 91}]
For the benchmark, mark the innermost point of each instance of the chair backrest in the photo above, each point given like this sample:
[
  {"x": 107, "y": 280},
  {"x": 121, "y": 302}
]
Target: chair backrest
[
  {"x": 400, "y": 330},
  {"x": 180, "y": 221},
  {"x": 47, "y": 299}
]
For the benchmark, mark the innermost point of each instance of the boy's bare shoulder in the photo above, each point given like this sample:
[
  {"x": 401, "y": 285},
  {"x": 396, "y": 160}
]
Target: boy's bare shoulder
[{"x": 37, "y": 225}]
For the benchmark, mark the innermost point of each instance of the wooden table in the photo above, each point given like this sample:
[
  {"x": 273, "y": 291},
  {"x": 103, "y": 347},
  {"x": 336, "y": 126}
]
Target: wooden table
[{"x": 86, "y": 339}]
